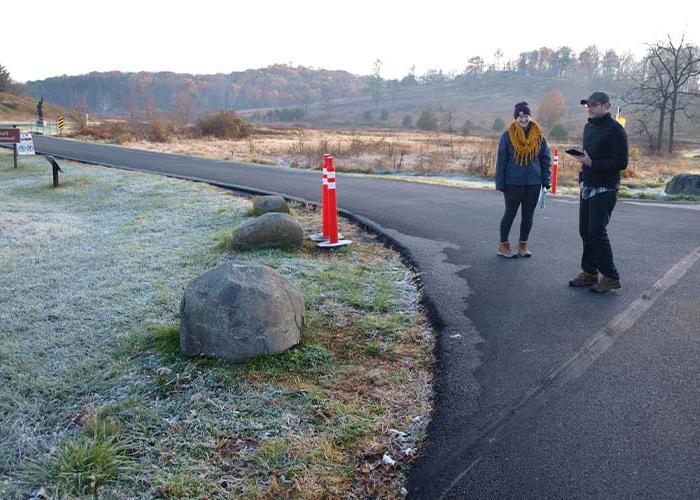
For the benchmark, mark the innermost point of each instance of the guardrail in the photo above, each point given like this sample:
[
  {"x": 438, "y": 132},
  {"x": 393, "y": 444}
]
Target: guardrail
[{"x": 48, "y": 127}]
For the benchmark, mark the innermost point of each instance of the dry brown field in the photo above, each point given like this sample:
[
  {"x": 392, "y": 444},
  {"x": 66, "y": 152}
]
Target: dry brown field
[{"x": 415, "y": 153}]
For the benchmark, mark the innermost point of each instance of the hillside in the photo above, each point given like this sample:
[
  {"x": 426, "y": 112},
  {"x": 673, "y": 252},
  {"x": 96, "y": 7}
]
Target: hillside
[
  {"x": 15, "y": 107},
  {"x": 117, "y": 93},
  {"x": 480, "y": 99},
  {"x": 318, "y": 97}
]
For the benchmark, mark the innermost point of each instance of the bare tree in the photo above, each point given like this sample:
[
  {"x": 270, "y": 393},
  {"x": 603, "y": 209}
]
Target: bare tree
[
  {"x": 448, "y": 119},
  {"x": 184, "y": 106},
  {"x": 650, "y": 93},
  {"x": 475, "y": 66},
  {"x": 666, "y": 83},
  {"x": 682, "y": 66},
  {"x": 376, "y": 82},
  {"x": 498, "y": 55}
]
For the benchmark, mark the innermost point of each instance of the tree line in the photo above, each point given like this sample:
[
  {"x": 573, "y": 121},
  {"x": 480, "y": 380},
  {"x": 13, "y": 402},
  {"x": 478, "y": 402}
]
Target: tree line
[{"x": 662, "y": 86}]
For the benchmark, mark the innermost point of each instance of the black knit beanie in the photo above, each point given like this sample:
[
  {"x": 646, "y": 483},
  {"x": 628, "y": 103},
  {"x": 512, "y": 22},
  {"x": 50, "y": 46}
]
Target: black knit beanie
[{"x": 521, "y": 107}]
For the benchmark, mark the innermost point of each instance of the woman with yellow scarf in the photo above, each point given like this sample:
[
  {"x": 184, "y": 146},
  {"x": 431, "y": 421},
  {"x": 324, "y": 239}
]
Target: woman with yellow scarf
[{"x": 522, "y": 169}]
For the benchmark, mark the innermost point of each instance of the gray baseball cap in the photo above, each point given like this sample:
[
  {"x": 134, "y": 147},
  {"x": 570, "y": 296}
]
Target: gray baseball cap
[{"x": 596, "y": 98}]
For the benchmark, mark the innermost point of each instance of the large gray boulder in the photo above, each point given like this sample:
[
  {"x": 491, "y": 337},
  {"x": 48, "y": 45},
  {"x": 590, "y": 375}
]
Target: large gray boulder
[
  {"x": 684, "y": 184},
  {"x": 267, "y": 204},
  {"x": 237, "y": 311},
  {"x": 268, "y": 231}
]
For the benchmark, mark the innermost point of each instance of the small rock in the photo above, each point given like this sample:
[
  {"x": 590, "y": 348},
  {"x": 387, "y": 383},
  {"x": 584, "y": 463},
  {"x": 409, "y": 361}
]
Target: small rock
[
  {"x": 683, "y": 184},
  {"x": 39, "y": 494},
  {"x": 266, "y": 204},
  {"x": 271, "y": 230},
  {"x": 387, "y": 460},
  {"x": 396, "y": 434}
]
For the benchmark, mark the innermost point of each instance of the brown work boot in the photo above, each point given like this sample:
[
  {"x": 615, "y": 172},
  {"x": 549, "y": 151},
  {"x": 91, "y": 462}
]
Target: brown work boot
[
  {"x": 522, "y": 249},
  {"x": 605, "y": 284},
  {"x": 504, "y": 250},
  {"x": 584, "y": 279}
]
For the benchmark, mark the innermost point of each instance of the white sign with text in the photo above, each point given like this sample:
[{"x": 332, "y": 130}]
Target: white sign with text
[{"x": 26, "y": 145}]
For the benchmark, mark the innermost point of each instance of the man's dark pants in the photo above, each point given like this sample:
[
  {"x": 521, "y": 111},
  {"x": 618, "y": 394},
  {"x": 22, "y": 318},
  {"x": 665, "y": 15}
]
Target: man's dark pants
[{"x": 594, "y": 215}]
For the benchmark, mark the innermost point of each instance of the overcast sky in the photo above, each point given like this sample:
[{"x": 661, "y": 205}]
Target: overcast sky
[{"x": 42, "y": 38}]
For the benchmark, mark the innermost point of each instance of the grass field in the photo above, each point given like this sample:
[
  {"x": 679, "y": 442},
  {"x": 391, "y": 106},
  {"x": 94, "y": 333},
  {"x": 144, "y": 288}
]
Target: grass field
[
  {"x": 97, "y": 400},
  {"x": 420, "y": 156}
]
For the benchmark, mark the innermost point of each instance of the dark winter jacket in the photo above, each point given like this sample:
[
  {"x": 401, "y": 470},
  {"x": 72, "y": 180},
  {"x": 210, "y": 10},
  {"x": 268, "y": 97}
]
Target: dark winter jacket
[
  {"x": 508, "y": 172},
  {"x": 605, "y": 141}
]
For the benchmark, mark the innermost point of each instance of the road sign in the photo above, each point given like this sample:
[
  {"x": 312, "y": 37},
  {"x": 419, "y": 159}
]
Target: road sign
[
  {"x": 26, "y": 145},
  {"x": 620, "y": 119},
  {"x": 9, "y": 135},
  {"x": 60, "y": 124}
]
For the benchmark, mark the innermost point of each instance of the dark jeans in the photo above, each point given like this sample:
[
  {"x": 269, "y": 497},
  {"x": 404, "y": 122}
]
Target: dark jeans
[
  {"x": 516, "y": 196},
  {"x": 594, "y": 215}
]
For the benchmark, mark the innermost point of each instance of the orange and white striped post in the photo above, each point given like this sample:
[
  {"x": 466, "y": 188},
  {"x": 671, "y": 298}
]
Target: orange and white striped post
[
  {"x": 324, "y": 234},
  {"x": 334, "y": 239},
  {"x": 555, "y": 169},
  {"x": 324, "y": 196}
]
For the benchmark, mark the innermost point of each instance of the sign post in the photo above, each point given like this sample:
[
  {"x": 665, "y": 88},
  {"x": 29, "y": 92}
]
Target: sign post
[{"x": 10, "y": 136}]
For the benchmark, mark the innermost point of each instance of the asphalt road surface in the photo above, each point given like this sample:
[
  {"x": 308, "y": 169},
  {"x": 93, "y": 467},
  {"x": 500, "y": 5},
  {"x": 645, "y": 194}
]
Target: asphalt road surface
[{"x": 542, "y": 391}]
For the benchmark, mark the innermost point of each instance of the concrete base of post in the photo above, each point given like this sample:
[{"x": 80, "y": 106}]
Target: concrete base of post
[
  {"x": 328, "y": 244},
  {"x": 319, "y": 237}
]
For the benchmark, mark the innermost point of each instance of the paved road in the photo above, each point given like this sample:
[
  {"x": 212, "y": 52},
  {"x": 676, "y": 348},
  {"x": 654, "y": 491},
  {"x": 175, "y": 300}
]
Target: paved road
[{"x": 542, "y": 391}]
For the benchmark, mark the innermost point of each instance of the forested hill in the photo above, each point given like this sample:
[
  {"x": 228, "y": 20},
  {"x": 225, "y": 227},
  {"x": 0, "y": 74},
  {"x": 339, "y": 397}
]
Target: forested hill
[
  {"x": 285, "y": 86},
  {"x": 117, "y": 93},
  {"x": 480, "y": 97}
]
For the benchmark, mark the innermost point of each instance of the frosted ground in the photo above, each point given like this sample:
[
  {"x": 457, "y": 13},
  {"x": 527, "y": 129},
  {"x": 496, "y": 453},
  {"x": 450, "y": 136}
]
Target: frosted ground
[{"x": 93, "y": 274}]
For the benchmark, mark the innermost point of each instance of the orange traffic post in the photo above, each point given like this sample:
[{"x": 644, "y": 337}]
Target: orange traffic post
[
  {"x": 334, "y": 238},
  {"x": 327, "y": 161},
  {"x": 323, "y": 235},
  {"x": 555, "y": 169}
]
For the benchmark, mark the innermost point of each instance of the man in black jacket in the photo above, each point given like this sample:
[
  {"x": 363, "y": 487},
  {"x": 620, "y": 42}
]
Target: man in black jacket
[{"x": 605, "y": 155}]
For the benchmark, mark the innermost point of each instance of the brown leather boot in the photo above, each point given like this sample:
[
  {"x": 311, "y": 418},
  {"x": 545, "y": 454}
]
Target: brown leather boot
[
  {"x": 504, "y": 250},
  {"x": 522, "y": 249},
  {"x": 606, "y": 284},
  {"x": 584, "y": 279}
]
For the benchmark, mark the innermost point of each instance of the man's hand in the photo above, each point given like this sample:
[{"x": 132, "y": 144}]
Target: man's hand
[{"x": 585, "y": 160}]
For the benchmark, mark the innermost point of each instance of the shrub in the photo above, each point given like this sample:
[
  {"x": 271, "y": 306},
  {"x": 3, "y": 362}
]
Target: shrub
[
  {"x": 427, "y": 120},
  {"x": 558, "y": 132},
  {"x": 467, "y": 127},
  {"x": 4, "y": 78},
  {"x": 552, "y": 109},
  {"x": 499, "y": 125},
  {"x": 385, "y": 115},
  {"x": 407, "y": 121},
  {"x": 158, "y": 131},
  {"x": 224, "y": 125},
  {"x": 368, "y": 115}
]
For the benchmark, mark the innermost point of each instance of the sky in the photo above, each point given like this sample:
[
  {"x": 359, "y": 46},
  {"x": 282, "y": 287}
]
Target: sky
[{"x": 72, "y": 37}]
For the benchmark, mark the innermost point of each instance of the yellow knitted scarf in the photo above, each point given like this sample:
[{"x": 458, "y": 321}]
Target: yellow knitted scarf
[{"x": 526, "y": 148}]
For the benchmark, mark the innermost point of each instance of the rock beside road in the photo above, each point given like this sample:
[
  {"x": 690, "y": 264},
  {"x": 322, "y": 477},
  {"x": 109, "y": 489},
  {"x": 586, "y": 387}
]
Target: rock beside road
[
  {"x": 238, "y": 311},
  {"x": 267, "y": 204},
  {"x": 271, "y": 230},
  {"x": 684, "y": 184}
]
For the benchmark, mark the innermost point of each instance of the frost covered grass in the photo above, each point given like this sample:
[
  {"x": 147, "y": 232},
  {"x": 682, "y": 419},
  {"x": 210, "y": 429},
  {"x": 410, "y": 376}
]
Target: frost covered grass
[{"x": 96, "y": 399}]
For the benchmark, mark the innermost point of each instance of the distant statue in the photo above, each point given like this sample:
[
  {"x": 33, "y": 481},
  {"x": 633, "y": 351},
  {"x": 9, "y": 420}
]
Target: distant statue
[{"x": 40, "y": 109}]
